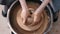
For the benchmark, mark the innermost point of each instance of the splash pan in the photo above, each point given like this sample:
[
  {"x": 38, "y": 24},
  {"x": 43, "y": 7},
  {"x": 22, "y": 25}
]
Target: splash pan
[{"x": 27, "y": 28}]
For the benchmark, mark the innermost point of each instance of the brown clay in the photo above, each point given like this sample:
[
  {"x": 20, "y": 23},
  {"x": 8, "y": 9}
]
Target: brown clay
[{"x": 27, "y": 28}]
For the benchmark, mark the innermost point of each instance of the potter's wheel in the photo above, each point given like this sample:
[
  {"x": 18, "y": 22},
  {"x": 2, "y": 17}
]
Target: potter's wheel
[{"x": 27, "y": 28}]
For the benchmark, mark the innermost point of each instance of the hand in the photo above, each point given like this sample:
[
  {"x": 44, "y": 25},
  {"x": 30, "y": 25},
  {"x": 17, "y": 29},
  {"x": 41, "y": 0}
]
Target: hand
[
  {"x": 37, "y": 18},
  {"x": 24, "y": 15}
]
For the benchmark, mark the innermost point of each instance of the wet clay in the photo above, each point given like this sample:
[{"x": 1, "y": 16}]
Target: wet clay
[{"x": 27, "y": 28}]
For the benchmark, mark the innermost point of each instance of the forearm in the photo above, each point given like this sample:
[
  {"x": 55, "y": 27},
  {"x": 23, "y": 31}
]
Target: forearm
[
  {"x": 23, "y": 5},
  {"x": 42, "y": 6}
]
